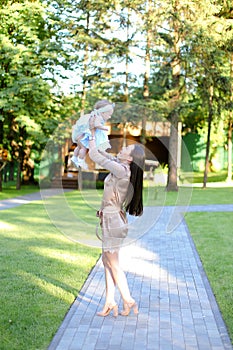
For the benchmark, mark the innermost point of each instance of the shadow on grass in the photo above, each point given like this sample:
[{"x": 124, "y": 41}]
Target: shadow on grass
[{"x": 41, "y": 274}]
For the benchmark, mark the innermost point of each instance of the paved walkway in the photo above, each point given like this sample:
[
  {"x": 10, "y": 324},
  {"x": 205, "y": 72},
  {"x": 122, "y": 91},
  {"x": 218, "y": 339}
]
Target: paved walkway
[{"x": 177, "y": 308}]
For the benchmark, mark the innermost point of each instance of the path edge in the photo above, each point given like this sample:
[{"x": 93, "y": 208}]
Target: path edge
[{"x": 223, "y": 331}]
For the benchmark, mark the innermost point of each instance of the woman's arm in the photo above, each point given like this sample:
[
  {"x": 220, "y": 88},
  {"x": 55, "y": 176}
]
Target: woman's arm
[
  {"x": 107, "y": 155},
  {"x": 110, "y": 164}
]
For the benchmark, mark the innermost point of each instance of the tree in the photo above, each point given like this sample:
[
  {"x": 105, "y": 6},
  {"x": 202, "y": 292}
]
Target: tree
[
  {"x": 88, "y": 22},
  {"x": 188, "y": 40},
  {"x": 171, "y": 31},
  {"x": 213, "y": 80},
  {"x": 229, "y": 135},
  {"x": 29, "y": 54},
  {"x": 225, "y": 42}
]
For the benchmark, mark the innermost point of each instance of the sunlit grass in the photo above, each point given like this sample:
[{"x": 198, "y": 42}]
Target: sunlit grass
[
  {"x": 158, "y": 196},
  {"x": 41, "y": 273},
  {"x": 197, "y": 177},
  {"x": 9, "y": 190},
  {"x": 213, "y": 236}
]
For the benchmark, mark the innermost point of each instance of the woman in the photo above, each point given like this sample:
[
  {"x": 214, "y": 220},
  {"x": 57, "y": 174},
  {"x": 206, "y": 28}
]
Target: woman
[{"x": 122, "y": 193}]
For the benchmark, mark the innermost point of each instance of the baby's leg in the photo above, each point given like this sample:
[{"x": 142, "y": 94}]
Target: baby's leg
[
  {"x": 82, "y": 152},
  {"x": 79, "y": 156},
  {"x": 76, "y": 151}
]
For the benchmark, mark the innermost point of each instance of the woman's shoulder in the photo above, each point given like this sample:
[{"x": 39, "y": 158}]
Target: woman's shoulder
[
  {"x": 123, "y": 169},
  {"x": 127, "y": 168}
]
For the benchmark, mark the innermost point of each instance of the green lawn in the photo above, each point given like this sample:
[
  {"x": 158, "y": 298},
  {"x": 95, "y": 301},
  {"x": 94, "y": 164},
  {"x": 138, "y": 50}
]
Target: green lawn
[
  {"x": 9, "y": 190},
  {"x": 157, "y": 196},
  {"x": 42, "y": 271},
  {"x": 213, "y": 237},
  {"x": 197, "y": 177}
]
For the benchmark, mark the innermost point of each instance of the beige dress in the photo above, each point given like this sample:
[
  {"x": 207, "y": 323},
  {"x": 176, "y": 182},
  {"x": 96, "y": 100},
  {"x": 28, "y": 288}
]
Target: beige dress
[{"x": 113, "y": 220}]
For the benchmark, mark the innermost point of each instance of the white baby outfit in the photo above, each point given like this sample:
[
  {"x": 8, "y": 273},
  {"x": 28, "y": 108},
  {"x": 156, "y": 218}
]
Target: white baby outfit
[{"x": 81, "y": 131}]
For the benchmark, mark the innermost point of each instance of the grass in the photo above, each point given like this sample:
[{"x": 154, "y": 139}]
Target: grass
[
  {"x": 197, "y": 177},
  {"x": 42, "y": 271},
  {"x": 157, "y": 196},
  {"x": 154, "y": 195},
  {"x": 213, "y": 237},
  {"x": 9, "y": 190}
]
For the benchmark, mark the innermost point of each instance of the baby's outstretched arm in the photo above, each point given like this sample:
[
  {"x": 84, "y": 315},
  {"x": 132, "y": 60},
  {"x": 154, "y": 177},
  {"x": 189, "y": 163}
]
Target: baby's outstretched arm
[
  {"x": 99, "y": 123},
  {"x": 101, "y": 127},
  {"x": 95, "y": 123}
]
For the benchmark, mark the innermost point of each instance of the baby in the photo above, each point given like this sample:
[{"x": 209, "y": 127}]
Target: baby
[{"x": 103, "y": 110}]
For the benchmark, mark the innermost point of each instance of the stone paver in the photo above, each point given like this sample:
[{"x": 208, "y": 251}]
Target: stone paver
[{"x": 177, "y": 309}]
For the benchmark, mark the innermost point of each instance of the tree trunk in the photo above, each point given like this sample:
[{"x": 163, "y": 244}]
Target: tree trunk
[
  {"x": 229, "y": 136},
  {"x": 2, "y": 166},
  {"x": 229, "y": 154},
  {"x": 173, "y": 152},
  {"x": 18, "y": 177},
  {"x": 210, "y": 117},
  {"x": 146, "y": 92},
  {"x": 126, "y": 86},
  {"x": 5, "y": 171},
  {"x": 0, "y": 179},
  {"x": 85, "y": 68},
  {"x": 11, "y": 171},
  {"x": 1, "y": 142},
  {"x": 175, "y": 100},
  {"x": 127, "y": 60}
]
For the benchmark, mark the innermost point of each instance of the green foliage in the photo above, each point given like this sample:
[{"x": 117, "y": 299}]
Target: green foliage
[
  {"x": 30, "y": 51},
  {"x": 24, "y": 92},
  {"x": 101, "y": 45}
]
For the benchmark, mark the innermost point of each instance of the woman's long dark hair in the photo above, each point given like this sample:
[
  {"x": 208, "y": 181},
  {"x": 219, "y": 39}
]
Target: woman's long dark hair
[{"x": 134, "y": 201}]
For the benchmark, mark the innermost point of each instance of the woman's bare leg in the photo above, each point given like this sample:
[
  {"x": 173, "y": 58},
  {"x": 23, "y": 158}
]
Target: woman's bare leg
[
  {"x": 118, "y": 276},
  {"x": 110, "y": 288},
  {"x": 109, "y": 282},
  {"x": 110, "y": 291}
]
